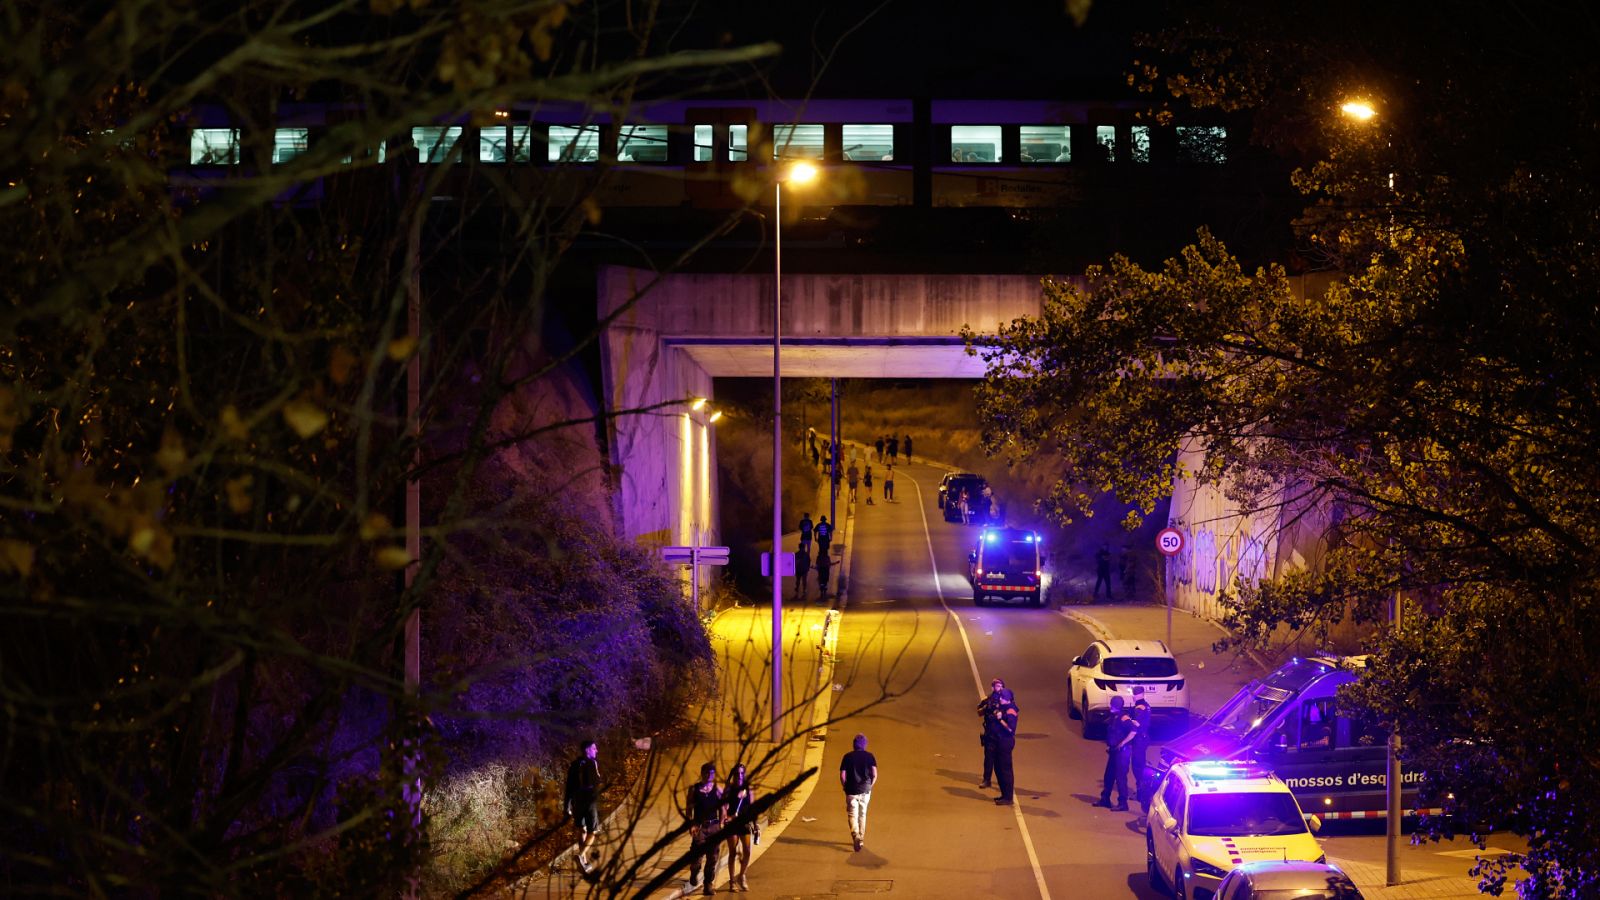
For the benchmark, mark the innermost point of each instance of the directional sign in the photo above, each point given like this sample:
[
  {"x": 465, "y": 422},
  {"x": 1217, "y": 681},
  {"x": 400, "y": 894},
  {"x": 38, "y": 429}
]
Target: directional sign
[
  {"x": 1170, "y": 542},
  {"x": 696, "y": 556}
]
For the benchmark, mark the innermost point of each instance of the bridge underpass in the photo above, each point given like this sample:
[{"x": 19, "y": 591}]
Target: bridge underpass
[{"x": 682, "y": 331}]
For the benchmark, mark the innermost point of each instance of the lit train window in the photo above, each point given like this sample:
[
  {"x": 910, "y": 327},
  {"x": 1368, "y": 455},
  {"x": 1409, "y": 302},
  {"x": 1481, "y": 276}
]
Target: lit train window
[
  {"x": 704, "y": 143},
  {"x": 1105, "y": 138},
  {"x": 868, "y": 142},
  {"x": 797, "y": 142},
  {"x": 214, "y": 146},
  {"x": 505, "y": 143},
  {"x": 287, "y": 143},
  {"x": 1046, "y": 143},
  {"x": 574, "y": 143},
  {"x": 1202, "y": 144},
  {"x": 642, "y": 143},
  {"x": 738, "y": 143},
  {"x": 1139, "y": 146},
  {"x": 435, "y": 143},
  {"x": 975, "y": 144}
]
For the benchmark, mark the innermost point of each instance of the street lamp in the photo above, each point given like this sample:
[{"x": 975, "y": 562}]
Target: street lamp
[
  {"x": 798, "y": 173},
  {"x": 1363, "y": 111}
]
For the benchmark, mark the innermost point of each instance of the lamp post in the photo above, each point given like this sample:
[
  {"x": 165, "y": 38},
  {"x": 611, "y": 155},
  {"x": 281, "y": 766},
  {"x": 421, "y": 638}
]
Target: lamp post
[
  {"x": 1362, "y": 111},
  {"x": 799, "y": 173}
]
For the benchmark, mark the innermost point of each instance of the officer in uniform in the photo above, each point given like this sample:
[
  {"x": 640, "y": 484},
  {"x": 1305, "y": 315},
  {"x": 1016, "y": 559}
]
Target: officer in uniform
[
  {"x": 1001, "y": 727},
  {"x": 1120, "y": 729},
  {"x": 986, "y": 708}
]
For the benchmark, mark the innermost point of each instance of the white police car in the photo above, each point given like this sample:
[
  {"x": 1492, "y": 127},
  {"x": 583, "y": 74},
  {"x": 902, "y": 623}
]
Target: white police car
[
  {"x": 1283, "y": 880},
  {"x": 1208, "y": 817}
]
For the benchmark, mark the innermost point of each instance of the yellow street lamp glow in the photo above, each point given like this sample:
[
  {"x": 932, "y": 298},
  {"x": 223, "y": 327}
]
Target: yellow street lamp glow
[
  {"x": 715, "y": 416},
  {"x": 698, "y": 404},
  {"x": 1360, "y": 110},
  {"x": 802, "y": 173}
]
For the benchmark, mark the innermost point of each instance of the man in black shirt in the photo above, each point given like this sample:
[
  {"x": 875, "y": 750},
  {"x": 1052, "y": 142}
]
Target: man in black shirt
[
  {"x": 1143, "y": 784},
  {"x": 858, "y": 772},
  {"x": 583, "y": 799}
]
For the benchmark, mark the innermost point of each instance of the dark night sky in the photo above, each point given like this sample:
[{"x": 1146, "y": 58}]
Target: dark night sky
[{"x": 1012, "y": 49}]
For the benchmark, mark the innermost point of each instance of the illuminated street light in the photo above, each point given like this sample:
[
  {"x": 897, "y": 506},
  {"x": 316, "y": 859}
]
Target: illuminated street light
[
  {"x": 1360, "y": 110},
  {"x": 797, "y": 174},
  {"x": 714, "y": 417},
  {"x": 698, "y": 404}
]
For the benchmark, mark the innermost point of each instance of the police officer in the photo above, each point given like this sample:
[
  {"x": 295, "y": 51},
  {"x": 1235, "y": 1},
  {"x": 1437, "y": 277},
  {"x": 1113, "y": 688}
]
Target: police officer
[
  {"x": 1120, "y": 729},
  {"x": 1142, "y": 783},
  {"x": 986, "y": 708},
  {"x": 1001, "y": 727}
]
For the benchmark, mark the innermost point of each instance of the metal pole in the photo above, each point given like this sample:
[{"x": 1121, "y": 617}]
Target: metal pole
[
  {"x": 833, "y": 458},
  {"x": 1394, "y": 787},
  {"x": 1166, "y": 591},
  {"x": 777, "y": 459}
]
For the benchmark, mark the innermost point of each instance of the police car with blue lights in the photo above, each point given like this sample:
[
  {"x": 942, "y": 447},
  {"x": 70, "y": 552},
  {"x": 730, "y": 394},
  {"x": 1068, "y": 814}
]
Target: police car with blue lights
[
  {"x": 1208, "y": 817},
  {"x": 1004, "y": 566},
  {"x": 1291, "y": 721}
]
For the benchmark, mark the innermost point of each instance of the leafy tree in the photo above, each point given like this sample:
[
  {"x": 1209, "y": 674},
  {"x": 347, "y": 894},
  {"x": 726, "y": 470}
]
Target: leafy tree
[
  {"x": 1429, "y": 405},
  {"x": 204, "y": 440}
]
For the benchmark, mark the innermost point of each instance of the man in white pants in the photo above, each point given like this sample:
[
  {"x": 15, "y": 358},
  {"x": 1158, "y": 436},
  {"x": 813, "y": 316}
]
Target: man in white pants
[{"x": 858, "y": 771}]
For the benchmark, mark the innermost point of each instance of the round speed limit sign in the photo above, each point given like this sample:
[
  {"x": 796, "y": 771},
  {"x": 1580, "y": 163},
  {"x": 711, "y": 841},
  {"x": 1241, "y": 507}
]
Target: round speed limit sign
[{"x": 1170, "y": 542}]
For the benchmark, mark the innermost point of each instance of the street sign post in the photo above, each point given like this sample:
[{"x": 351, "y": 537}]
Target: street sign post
[
  {"x": 695, "y": 556},
  {"x": 1170, "y": 542}
]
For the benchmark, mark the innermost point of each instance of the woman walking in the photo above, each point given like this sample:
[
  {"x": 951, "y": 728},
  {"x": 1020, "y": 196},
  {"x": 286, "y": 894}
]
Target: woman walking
[{"x": 739, "y": 798}]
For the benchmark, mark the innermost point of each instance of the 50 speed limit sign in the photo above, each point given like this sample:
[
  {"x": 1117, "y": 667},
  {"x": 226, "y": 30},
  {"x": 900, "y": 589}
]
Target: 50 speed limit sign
[{"x": 1170, "y": 542}]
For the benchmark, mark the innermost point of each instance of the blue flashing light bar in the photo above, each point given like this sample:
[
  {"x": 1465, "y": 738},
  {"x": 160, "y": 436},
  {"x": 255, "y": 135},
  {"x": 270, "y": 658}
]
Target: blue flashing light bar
[
  {"x": 990, "y": 536},
  {"x": 1218, "y": 770}
]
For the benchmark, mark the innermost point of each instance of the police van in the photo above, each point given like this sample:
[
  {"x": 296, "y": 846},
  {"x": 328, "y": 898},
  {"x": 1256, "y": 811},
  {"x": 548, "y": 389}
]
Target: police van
[
  {"x": 1004, "y": 566},
  {"x": 1336, "y": 764}
]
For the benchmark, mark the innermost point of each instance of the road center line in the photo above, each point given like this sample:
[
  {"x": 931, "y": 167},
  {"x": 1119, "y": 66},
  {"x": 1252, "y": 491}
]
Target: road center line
[{"x": 977, "y": 681}]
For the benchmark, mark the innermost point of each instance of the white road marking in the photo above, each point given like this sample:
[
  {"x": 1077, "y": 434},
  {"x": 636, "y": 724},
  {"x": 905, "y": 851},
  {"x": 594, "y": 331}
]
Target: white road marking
[{"x": 977, "y": 682}]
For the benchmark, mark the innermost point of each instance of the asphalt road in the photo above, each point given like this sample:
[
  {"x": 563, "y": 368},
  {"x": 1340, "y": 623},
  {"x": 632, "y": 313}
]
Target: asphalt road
[
  {"x": 912, "y": 673},
  {"x": 914, "y": 656}
]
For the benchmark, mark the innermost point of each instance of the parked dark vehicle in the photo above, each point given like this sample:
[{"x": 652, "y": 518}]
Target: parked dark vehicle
[{"x": 981, "y": 507}]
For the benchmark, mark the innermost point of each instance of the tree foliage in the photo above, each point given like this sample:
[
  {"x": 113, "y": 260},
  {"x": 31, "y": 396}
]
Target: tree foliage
[
  {"x": 1436, "y": 398},
  {"x": 204, "y": 441}
]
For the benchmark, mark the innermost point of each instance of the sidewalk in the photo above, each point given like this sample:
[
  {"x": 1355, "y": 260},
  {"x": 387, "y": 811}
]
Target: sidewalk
[
  {"x": 1427, "y": 874},
  {"x": 728, "y": 728}
]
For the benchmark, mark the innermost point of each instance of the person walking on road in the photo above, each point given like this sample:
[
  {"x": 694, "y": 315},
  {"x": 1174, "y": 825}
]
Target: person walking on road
[
  {"x": 805, "y": 532},
  {"x": 1143, "y": 784},
  {"x": 1002, "y": 729},
  {"x": 878, "y": 446},
  {"x": 824, "y": 568},
  {"x": 739, "y": 798},
  {"x": 907, "y": 443},
  {"x": 802, "y": 570},
  {"x": 894, "y": 449},
  {"x": 582, "y": 801},
  {"x": 852, "y": 476},
  {"x": 1120, "y": 729},
  {"x": 858, "y": 772},
  {"x": 888, "y": 483},
  {"x": 823, "y": 533},
  {"x": 1102, "y": 573},
  {"x": 866, "y": 482},
  {"x": 704, "y": 811}
]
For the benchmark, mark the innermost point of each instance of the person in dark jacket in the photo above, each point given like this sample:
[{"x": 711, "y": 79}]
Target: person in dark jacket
[
  {"x": 1002, "y": 730},
  {"x": 1120, "y": 729},
  {"x": 1143, "y": 784},
  {"x": 582, "y": 801},
  {"x": 986, "y": 708},
  {"x": 738, "y": 797},
  {"x": 704, "y": 811}
]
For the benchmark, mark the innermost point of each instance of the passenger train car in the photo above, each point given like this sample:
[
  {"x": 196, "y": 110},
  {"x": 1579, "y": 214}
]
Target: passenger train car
[{"x": 936, "y": 153}]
